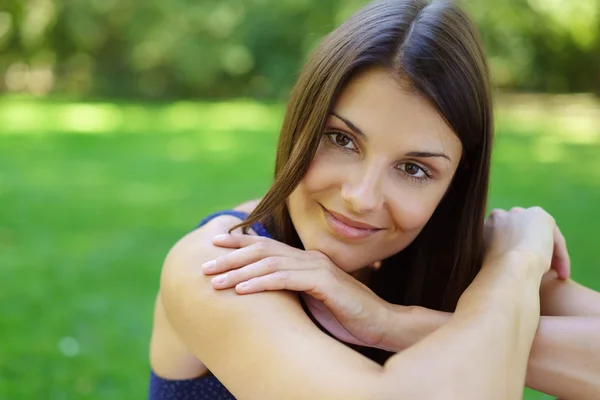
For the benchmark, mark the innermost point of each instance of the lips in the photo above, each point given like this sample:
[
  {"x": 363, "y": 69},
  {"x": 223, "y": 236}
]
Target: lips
[
  {"x": 351, "y": 222},
  {"x": 348, "y": 228}
]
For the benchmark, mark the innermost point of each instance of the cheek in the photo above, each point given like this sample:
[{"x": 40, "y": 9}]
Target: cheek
[
  {"x": 310, "y": 182},
  {"x": 315, "y": 185},
  {"x": 322, "y": 174},
  {"x": 411, "y": 211}
]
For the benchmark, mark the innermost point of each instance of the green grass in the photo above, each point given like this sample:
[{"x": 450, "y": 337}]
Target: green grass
[{"x": 92, "y": 196}]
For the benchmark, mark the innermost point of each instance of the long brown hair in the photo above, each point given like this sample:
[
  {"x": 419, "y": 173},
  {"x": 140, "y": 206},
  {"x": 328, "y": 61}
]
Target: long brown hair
[{"x": 435, "y": 51}]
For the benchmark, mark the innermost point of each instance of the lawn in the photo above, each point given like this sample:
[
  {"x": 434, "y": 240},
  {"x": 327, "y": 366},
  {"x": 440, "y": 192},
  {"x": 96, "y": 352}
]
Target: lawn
[{"x": 94, "y": 194}]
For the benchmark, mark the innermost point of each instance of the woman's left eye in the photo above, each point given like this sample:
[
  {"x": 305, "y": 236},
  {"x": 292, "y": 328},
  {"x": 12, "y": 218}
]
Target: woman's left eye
[
  {"x": 341, "y": 140},
  {"x": 414, "y": 170}
]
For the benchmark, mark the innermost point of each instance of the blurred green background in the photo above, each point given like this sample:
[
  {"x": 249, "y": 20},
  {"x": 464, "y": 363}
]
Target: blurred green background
[{"x": 123, "y": 123}]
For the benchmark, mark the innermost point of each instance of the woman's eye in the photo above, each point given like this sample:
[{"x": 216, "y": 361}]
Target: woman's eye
[
  {"x": 341, "y": 140},
  {"x": 413, "y": 170}
]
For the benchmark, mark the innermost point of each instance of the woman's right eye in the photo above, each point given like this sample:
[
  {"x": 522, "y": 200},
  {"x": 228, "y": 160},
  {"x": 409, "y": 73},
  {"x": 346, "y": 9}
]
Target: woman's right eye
[{"x": 340, "y": 139}]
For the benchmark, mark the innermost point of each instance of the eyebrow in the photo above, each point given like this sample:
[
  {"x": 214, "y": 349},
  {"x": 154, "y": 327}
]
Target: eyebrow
[
  {"x": 426, "y": 154},
  {"x": 418, "y": 154},
  {"x": 350, "y": 125}
]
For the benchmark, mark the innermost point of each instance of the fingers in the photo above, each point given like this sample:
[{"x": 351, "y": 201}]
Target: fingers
[
  {"x": 561, "y": 261},
  {"x": 309, "y": 281},
  {"x": 237, "y": 241},
  {"x": 553, "y": 245},
  {"x": 250, "y": 250},
  {"x": 260, "y": 268}
]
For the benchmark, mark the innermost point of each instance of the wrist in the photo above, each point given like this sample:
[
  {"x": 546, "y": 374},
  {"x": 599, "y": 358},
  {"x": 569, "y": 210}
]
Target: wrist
[
  {"x": 526, "y": 267},
  {"x": 506, "y": 282},
  {"x": 407, "y": 325}
]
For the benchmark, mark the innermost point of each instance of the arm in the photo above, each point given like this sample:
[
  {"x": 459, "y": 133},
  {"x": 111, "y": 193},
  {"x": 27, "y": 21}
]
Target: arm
[
  {"x": 243, "y": 339},
  {"x": 508, "y": 326},
  {"x": 567, "y": 298},
  {"x": 565, "y": 357}
]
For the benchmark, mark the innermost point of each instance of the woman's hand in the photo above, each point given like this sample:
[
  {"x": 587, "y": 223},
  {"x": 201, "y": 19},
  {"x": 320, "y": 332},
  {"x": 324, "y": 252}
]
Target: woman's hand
[
  {"x": 343, "y": 306},
  {"x": 530, "y": 231}
]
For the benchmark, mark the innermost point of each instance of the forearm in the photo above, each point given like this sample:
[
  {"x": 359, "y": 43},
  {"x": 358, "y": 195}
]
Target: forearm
[
  {"x": 565, "y": 358},
  {"x": 408, "y": 325},
  {"x": 567, "y": 298},
  {"x": 487, "y": 339}
]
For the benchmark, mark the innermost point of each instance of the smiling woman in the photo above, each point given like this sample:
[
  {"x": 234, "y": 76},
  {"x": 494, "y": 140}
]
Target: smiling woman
[
  {"x": 371, "y": 235},
  {"x": 379, "y": 183}
]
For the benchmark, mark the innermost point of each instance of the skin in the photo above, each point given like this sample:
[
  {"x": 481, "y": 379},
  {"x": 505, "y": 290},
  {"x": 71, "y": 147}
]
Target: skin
[
  {"x": 496, "y": 318},
  {"x": 564, "y": 360},
  {"x": 367, "y": 169},
  {"x": 560, "y": 342}
]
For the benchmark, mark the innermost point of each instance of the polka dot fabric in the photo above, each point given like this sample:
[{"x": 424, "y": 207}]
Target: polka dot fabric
[{"x": 206, "y": 387}]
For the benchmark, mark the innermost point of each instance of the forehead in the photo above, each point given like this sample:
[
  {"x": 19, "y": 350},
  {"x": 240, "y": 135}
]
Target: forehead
[{"x": 375, "y": 102}]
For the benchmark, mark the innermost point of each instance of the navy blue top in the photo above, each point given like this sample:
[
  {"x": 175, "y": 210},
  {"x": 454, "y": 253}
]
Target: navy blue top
[{"x": 205, "y": 387}]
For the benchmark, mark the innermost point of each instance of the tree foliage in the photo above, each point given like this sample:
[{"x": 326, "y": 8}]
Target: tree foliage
[{"x": 233, "y": 48}]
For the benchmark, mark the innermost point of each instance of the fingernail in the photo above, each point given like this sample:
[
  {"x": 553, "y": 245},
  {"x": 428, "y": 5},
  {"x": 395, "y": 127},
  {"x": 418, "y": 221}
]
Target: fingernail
[
  {"x": 217, "y": 280},
  {"x": 242, "y": 285},
  {"x": 222, "y": 236},
  {"x": 209, "y": 265}
]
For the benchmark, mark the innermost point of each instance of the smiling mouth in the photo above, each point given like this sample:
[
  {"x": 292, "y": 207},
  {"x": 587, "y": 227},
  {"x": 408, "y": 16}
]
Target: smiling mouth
[{"x": 346, "y": 227}]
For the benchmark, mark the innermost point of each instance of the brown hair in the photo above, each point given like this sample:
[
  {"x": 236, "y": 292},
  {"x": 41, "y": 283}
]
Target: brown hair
[{"x": 435, "y": 51}]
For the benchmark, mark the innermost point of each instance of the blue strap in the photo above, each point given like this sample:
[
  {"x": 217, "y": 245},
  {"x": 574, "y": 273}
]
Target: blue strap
[{"x": 257, "y": 227}]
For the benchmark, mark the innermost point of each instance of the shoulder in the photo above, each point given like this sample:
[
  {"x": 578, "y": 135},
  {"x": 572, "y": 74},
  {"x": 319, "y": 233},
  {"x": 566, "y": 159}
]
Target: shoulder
[
  {"x": 243, "y": 338},
  {"x": 195, "y": 248},
  {"x": 184, "y": 287},
  {"x": 248, "y": 206},
  {"x": 197, "y": 245},
  {"x": 187, "y": 294}
]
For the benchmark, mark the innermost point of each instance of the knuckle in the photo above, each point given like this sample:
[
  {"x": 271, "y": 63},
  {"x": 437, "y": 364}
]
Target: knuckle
[
  {"x": 543, "y": 213},
  {"x": 233, "y": 275},
  {"x": 221, "y": 261},
  {"x": 538, "y": 210},
  {"x": 261, "y": 247},
  {"x": 282, "y": 276},
  {"x": 271, "y": 264},
  {"x": 496, "y": 212}
]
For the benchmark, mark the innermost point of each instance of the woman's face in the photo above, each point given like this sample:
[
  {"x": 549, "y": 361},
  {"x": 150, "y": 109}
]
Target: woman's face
[{"x": 383, "y": 165}]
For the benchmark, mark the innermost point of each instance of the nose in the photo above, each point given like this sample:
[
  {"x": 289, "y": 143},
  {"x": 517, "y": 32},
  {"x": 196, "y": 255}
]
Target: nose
[{"x": 362, "y": 192}]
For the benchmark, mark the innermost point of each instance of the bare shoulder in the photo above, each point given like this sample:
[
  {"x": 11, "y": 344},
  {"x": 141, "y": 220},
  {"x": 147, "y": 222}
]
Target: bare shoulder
[
  {"x": 197, "y": 245},
  {"x": 242, "y": 339},
  {"x": 248, "y": 206},
  {"x": 169, "y": 355}
]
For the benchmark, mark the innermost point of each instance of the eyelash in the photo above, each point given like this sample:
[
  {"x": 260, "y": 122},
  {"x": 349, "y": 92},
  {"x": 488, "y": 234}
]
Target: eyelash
[
  {"x": 423, "y": 179},
  {"x": 331, "y": 134}
]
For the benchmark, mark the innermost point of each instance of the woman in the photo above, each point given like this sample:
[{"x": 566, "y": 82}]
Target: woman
[{"x": 383, "y": 160}]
